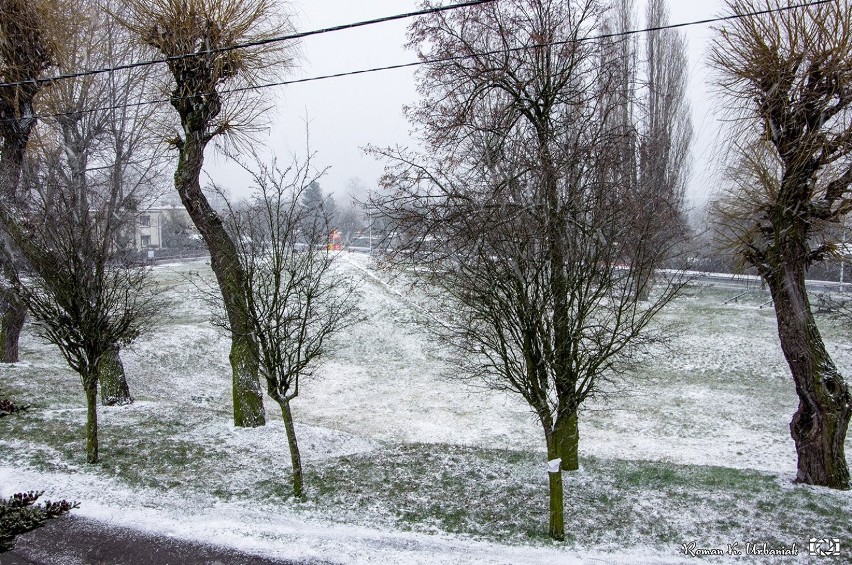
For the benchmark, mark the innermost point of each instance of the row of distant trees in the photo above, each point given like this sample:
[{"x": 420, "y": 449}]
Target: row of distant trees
[
  {"x": 710, "y": 250},
  {"x": 348, "y": 215},
  {"x": 545, "y": 196}
]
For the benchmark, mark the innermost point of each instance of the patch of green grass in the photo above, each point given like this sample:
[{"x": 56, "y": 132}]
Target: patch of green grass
[
  {"x": 422, "y": 486},
  {"x": 653, "y": 476},
  {"x": 724, "y": 478},
  {"x": 502, "y": 496}
]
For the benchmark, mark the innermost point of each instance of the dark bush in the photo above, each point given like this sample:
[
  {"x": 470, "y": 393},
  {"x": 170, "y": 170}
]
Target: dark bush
[{"x": 20, "y": 514}]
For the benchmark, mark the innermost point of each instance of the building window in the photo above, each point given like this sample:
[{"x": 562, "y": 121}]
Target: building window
[
  {"x": 146, "y": 240},
  {"x": 145, "y": 221}
]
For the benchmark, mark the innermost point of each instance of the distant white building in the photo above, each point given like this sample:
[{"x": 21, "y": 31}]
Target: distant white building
[{"x": 160, "y": 227}]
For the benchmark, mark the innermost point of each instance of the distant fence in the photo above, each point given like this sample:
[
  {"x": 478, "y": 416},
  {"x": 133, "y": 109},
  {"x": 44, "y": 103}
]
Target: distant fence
[
  {"x": 754, "y": 282},
  {"x": 160, "y": 256}
]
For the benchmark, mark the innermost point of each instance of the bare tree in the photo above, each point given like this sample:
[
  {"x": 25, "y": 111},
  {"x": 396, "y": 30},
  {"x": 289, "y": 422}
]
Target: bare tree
[
  {"x": 513, "y": 212},
  {"x": 665, "y": 124},
  {"x": 296, "y": 299},
  {"x": 27, "y": 50},
  {"x": 84, "y": 293},
  {"x": 194, "y": 34},
  {"x": 788, "y": 78},
  {"x": 348, "y": 220},
  {"x": 104, "y": 139},
  {"x": 653, "y": 115}
]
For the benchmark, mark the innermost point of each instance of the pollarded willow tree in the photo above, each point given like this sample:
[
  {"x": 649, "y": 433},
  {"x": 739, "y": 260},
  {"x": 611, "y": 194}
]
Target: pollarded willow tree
[
  {"x": 27, "y": 50},
  {"x": 211, "y": 91},
  {"x": 515, "y": 214},
  {"x": 787, "y": 76}
]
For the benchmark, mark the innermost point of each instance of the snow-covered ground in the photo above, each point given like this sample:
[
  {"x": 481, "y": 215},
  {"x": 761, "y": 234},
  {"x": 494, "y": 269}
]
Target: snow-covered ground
[{"x": 408, "y": 464}]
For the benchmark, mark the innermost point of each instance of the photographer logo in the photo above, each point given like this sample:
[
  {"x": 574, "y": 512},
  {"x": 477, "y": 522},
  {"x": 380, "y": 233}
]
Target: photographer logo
[{"x": 826, "y": 547}]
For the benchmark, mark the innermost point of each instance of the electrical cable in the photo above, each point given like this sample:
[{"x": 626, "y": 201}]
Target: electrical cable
[
  {"x": 453, "y": 58},
  {"x": 257, "y": 43},
  {"x": 527, "y": 47}
]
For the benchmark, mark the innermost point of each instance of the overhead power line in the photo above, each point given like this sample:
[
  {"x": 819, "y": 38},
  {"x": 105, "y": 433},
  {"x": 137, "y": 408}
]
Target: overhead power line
[
  {"x": 526, "y": 47},
  {"x": 236, "y": 46},
  {"x": 411, "y": 64}
]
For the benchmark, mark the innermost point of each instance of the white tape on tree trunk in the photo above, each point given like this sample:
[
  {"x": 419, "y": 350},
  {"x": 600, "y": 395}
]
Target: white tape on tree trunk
[{"x": 553, "y": 466}]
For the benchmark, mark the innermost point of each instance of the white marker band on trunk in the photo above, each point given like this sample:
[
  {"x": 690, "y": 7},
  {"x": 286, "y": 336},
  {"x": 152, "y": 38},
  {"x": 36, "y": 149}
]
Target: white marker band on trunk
[{"x": 553, "y": 466}]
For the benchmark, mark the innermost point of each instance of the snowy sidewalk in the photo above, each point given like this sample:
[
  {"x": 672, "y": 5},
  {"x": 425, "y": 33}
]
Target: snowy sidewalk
[{"x": 77, "y": 541}]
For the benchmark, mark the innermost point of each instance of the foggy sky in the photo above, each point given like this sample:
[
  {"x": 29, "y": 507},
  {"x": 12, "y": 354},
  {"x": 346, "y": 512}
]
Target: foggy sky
[{"x": 345, "y": 114}]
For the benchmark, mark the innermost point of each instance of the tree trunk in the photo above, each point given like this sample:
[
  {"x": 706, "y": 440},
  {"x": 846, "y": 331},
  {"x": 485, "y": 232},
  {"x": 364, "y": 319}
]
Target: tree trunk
[
  {"x": 295, "y": 458},
  {"x": 644, "y": 282},
  {"x": 244, "y": 357},
  {"x": 14, "y": 315},
  {"x": 825, "y": 405},
  {"x": 557, "y": 505},
  {"x": 248, "y": 399},
  {"x": 11, "y": 165},
  {"x": 567, "y": 434},
  {"x": 90, "y": 385},
  {"x": 112, "y": 380}
]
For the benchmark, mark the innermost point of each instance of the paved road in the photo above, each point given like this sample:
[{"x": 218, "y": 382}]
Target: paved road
[
  {"x": 751, "y": 282},
  {"x": 75, "y": 541}
]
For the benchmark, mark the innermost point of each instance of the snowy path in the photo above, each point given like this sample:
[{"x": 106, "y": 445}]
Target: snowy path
[{"x": 271, "y": 533}]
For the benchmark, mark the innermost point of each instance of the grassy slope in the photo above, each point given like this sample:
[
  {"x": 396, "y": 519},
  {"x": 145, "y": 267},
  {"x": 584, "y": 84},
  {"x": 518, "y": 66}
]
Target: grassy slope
[{"x": 693, "y": 447}]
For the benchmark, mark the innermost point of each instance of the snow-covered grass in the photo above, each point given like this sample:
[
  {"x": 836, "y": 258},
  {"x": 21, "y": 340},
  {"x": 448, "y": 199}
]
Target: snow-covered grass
[{"x": 407, "y": 464}]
